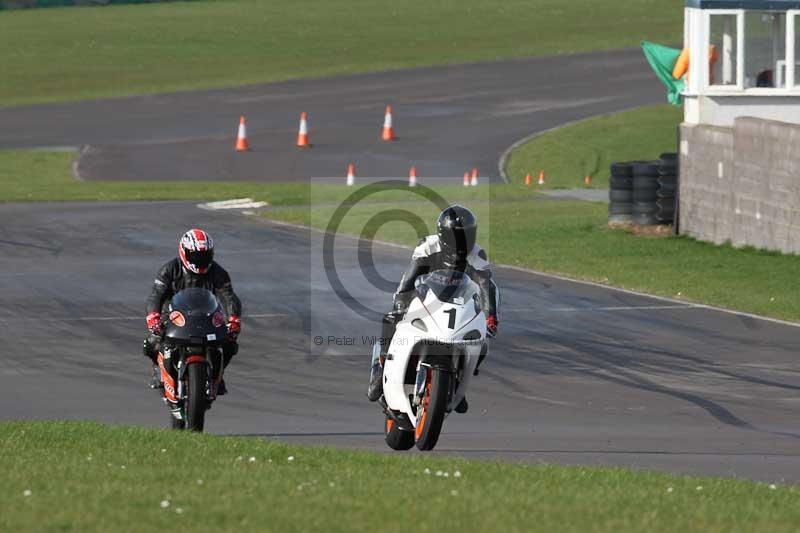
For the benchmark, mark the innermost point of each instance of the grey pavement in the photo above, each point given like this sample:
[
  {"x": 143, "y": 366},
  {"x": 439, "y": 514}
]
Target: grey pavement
[
  {"x": 447, "y": 119},
  {"x": 579, "y": 375}
]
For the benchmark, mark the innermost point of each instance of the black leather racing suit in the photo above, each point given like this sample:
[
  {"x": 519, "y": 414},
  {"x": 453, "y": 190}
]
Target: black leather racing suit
[
  {"x": 427, "y": 257},
  {"x": 173, "y": 278}
]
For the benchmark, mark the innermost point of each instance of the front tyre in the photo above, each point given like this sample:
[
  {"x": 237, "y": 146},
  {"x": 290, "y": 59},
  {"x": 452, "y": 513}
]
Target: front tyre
[
  {"x": 432, "y": 408},
  {"x": 396, "y": 438},
  {"x": 196, "y": 401}
]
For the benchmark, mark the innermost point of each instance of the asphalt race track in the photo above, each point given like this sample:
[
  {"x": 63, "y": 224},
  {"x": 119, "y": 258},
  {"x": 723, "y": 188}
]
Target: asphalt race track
[
  {"x": 580, "y": 374},
  {"x": 448, "y": 120}
]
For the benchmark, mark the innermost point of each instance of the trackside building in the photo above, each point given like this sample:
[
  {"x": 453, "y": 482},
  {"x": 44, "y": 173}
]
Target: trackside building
[{"x": 740, "y": 139}]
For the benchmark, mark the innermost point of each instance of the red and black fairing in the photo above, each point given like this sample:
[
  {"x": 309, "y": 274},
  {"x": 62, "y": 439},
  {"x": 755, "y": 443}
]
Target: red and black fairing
[{"x": 194, "y": 331}]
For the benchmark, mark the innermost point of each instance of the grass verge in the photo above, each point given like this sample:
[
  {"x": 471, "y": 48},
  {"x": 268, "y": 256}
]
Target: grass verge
[
  {"x": 518, "y": 226},
  {"x": 91, "y": 477},
  {"x": 589, "y": 147},
  {"x": 68, "y": 54}
]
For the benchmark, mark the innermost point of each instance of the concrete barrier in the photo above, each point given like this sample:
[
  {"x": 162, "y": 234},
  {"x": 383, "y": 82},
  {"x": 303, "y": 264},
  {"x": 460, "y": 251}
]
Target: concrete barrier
[{"x": 742, "y": 184}]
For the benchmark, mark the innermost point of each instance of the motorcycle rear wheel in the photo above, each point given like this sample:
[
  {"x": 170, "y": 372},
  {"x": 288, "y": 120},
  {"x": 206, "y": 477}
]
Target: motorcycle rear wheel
[
  {"x": 430, "y": 414},
  {"x": 196, "y": 402},
  {"x": 396, "y": 438}
]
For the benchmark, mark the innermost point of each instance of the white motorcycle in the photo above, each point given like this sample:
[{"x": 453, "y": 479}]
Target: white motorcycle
[{"x": 431, "y": 358}]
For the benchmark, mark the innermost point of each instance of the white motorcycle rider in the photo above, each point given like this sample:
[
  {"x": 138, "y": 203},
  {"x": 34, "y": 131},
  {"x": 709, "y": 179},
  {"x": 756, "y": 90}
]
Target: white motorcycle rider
[{"x": 438, "y": 344}]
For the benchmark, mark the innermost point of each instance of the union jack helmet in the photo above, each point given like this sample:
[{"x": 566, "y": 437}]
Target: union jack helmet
[{"x": 196, "y": 251}]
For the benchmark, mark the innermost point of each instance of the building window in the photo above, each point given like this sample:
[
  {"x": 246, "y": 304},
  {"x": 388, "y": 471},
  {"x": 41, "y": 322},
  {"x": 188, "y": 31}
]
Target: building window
[
  {"x": 796, "y": 18},
  {"x": 723, "y": 50},
  {"x": 765, "y": 49}
]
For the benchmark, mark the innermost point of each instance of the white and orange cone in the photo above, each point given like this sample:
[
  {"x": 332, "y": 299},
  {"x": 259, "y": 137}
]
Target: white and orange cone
[
  {"x": 351, "y": 174},
  {"x": 412, "y": 177},
  {"x": 528, "y": 179},
  {"x": 388, "y": 131},
  {"x": 541, "y": 177},
  {"x": 587, "y": 180},
  {"x": 474, "y": 179},
  {"x": 466, "y": 179},
  {"x": 241, "y": 138},
  {"x": 302, "y": 134}
]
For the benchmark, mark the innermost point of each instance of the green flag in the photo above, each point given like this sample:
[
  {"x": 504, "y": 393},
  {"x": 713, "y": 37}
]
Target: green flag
[{"x": 662, "y": 59}]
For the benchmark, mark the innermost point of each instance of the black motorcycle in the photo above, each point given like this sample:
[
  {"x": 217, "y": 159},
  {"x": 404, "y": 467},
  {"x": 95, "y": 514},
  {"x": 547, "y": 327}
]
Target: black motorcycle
[{"x": 190, "y": 356}]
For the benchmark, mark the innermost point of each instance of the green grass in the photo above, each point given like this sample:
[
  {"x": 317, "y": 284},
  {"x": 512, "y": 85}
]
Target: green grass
[
  {"x": 589, "y": 147},
  {"x": 91, "y": 477},
  {"x": 519, "y": 227},
  {"x": 67, "y": 54}
]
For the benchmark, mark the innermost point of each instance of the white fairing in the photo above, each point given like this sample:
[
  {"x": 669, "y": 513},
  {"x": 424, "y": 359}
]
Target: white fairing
[{"x": 438, "y": 317}]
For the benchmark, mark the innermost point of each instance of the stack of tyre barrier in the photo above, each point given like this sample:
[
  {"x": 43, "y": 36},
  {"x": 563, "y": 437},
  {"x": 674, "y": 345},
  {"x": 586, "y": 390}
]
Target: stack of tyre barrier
[
  {"x": 620, "y": 194},
  {"x": 643, "y": 192},
  {"x": 645, "y": 187},
  {"x": 667, "y": 185}
]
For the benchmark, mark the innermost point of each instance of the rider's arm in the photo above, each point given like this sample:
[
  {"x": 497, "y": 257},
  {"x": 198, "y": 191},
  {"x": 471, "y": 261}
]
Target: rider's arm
[
  {"x": 161, "y": 290},
  {"x": 419, "y": 265},
  {"x": 481, "y": 273},
  {"x": 223, "y": 288}
]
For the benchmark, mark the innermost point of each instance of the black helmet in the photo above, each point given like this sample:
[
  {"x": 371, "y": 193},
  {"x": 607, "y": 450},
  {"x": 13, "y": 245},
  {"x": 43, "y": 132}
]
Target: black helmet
[{"x": 457, "y": 228}]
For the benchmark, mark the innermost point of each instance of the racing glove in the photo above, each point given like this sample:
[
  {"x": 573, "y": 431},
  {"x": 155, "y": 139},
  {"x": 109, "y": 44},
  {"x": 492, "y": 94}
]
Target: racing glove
[
  {"x": 154, "y": 323},
  {"x": 234, "y": 327},
  {"x": 491, "y": 326}
]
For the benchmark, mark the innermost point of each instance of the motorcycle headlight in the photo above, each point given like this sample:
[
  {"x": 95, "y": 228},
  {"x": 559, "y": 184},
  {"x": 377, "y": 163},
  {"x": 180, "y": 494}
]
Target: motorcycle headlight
[
  {"x": 419, "y": 324},
  {"x": 473, "y": 335}
]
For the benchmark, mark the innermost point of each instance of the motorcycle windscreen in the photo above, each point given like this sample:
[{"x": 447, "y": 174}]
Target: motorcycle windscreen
[
  {"x": 195, "y": 301},
  {"x": 449, "y": 286}
]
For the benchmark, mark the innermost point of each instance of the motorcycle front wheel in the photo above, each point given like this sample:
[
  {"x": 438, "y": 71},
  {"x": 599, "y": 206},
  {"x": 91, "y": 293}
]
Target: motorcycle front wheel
[
  {"x": 196, "y": 402},
  {"x": 432, "y": 408},
  {"x": 396, "y": 438}
]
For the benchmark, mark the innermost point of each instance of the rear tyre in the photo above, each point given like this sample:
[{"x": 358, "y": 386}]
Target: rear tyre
[
  {"x": 396, "y": 438},
  {"x": 430, "y": 414},
  {"x": 196, "y": 402}
]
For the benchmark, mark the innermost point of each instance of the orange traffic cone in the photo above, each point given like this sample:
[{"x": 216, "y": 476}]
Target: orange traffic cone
[
  {"x": 412, "y": 177},
  {"x": 466, "y": 179},
  {"x": 302, "y": 135},
  {"x": 351, "y": 174},
  {"x": 241, "y": 138},
  {"x": 528, "y": 179},
  {"x": 587, "y": 180},
  {"x": 541, "y": 177},
  {"x": 388, "y": 132},
  {"x": 474, "y": 180}
]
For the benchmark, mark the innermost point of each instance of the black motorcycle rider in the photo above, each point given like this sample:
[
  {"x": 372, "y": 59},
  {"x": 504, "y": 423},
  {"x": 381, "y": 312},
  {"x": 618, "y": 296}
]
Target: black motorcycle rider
[
  {"x": 453, "y": 247},
  {"x": 194, "y": 267}
]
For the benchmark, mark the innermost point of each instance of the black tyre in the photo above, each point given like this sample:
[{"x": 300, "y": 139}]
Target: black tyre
[
  {"x": 430, "y": 413},
  {"x": 667, "y": 181},
  {"x": 645, "y": 220},
  {"x": 669, "y": 171},
  {"x": 641, "y": 183},
  {"x": 621, "y": 170},
  {"x": 620, "y": 219},
  {"x": 621, "y": 196},
  {"x": 645, "y": 168},
  {"x": 196, "y": 401},
  {"x": 647, "y": 195},
  {"x": 396, "y": 438},
  {"x": 620, "y": 208},
  {"x": 644, "y": 208},
  {"x": 665, "y": 193},
  {"x": 619, "y": 183}
]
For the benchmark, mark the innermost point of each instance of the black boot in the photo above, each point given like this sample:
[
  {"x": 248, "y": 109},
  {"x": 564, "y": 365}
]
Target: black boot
[
  {"x": 375, "y": 389},
  {"x": 222, "y": 390},
  {"x": 462, "y": 406},
  {"x": 155, "y": 381}
]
